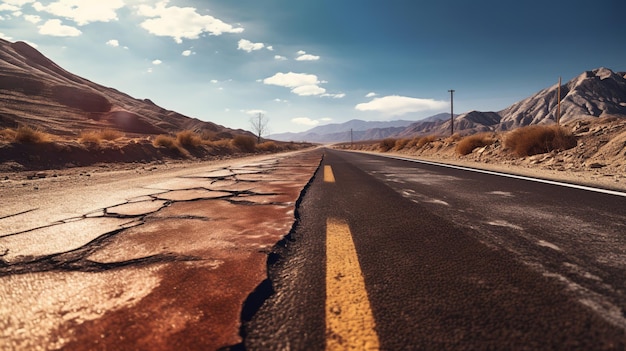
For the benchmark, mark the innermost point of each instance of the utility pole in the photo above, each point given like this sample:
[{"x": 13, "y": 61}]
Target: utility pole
[
  {"x": 451, "y": 91},
  {"x": 558, "y": 109},
  {"x": 351, "y": 138}
]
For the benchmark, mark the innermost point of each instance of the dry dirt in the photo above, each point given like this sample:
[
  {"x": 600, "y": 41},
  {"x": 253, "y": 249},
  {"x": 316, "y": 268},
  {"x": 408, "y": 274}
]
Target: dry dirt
[{"x": 599, "y": 159}]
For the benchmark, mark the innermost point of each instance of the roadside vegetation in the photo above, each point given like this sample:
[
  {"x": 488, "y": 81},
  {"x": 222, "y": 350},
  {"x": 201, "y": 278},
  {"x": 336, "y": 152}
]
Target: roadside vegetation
[
  {"x": 533, "y": 140},
  {"x": 468, "y": 144},
  {"x": 28, "y": 148},
  {"x": 96, "y": 137},
  {"x": 521, "y": 142},
  {"x": 25, "y": 135}
]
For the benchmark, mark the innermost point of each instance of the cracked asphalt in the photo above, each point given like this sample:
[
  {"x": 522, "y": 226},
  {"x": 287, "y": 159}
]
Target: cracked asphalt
[{"x": 131, "y": 260}]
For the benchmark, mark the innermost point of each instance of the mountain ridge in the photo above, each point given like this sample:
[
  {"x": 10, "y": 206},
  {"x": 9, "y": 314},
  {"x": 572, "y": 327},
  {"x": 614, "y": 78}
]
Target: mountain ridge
[
  {"x": 37, "y": 92},
  {"x": 595, "y": 93}
]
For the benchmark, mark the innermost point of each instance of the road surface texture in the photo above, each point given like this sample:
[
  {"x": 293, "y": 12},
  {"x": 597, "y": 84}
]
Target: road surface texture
[
  {"x": 396, "y": 255},
  {"x": 143, "y": 259}
]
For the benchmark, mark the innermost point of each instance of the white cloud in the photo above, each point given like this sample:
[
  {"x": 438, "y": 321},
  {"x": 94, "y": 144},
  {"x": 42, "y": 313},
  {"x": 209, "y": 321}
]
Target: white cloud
[
  {"x": 270, "y": 48},
  {"x": 308, "y": 90},
  {"x": 300, "y": 83},
  {"x": 280, "y": 58},
  {"x": 214, "y": 81},
  {"x": 32, "y": 18},
  {"x": 280, "y": 100},
  {"x": 335, "y": 96},
  {"x": 9, "y": 7},
  {"x": 113, "y": 43},
  {"x": 370, "y": 95},
  {"x": 307, "y": 57},
  {"x": 17, "y": 2},
  {"x": 248, "y": 46},
  {"x": 181, "y": 22},
  {"x": 83, "y": 11},
  {"x": 326, "y": 119},
  {"x": 306, "y": 121},
  {"x": 56, "y": 28},
  {"x": 300, "y": 53},
  {"x": 187, "y": 53},
  {"x": 395, "y": 105},
  {"x": 291, "y": 80},
  {"x": 157, "y": 62}
]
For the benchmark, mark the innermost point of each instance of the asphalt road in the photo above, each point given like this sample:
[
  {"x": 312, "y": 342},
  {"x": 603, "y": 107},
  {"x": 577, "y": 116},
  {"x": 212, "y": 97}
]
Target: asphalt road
[{"x": 397, "y": 255}]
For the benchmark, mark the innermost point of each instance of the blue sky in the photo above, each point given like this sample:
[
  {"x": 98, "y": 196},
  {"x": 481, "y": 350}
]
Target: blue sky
[{"x": 311, "y": 62}]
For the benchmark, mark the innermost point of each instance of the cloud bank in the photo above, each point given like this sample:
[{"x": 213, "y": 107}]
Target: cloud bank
[
  {"x": 181, "y": 22},
  {"x": 395, "y": 105}
]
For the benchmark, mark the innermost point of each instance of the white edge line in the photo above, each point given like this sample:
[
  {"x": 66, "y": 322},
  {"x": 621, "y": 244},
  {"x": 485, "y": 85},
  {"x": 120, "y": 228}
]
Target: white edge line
[{"x": 515, "y": 176}]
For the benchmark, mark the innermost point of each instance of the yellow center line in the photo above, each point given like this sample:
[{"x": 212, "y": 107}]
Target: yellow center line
[
  {"x": 329, "y": 177},
  {"x": 349, "y": 319}
]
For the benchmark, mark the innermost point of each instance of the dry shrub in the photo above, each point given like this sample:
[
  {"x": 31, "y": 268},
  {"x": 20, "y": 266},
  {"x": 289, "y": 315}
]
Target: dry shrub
[
  {"x": 90, "y": 137},
  {"x": 171, "y": 143},
  {"x": 224, "y": 143},
  {"x": 453, "y": 138},
  {"x": 387, "y": 144},
  {"x": 425, "y": 140},
  {"x": 208, "y": 135},
  {"x": 111, "y": 134},
  {"x": 401, "y": 144},
  {"x": 245, "y": 143},
  {"x": 188, "y": 139},
  {"x": 8, "y": 134},
  {"x": 269, "y": 146},
  {"x": 30, "y": 135},
  {"x": 97, "y": 136},
  {"x": 469, "y": 143},
  {"x": 533, "y": 140},
  {"x": 165, "y": 141}
]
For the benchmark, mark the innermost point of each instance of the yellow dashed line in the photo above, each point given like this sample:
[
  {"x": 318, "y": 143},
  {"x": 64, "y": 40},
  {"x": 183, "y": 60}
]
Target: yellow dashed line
[
  {"x": 329, "y": 177},
  {"x": 349, "y": 318}
]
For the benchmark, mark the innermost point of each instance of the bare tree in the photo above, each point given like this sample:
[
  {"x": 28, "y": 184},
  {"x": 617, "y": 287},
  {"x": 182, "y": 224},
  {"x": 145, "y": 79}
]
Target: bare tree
[{"x": 259, "y": 126}]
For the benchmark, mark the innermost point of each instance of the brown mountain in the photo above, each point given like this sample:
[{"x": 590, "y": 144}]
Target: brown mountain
[
  {"x": 596, "y": 93},
  {"x": 36, "y": 92}
]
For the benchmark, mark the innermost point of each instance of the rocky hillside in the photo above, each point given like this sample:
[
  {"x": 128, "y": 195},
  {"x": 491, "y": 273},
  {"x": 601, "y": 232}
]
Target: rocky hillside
[
  {"x": 36, "y": 92},
  {"x": 597, "y": 93}
]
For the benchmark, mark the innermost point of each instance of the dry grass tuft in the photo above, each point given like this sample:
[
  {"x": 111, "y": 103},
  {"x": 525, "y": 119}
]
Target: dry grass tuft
[
  {"x": 97, "y": 136},
  {"x": 387, "y": 144},
  {"x": 188, "y": 139},
  {"x": 31, "y": 136},
  {"x": 245, "y": 143},
  {"x": 111, "y": 134},
  {"x": 469, "y": 143},
  {"x": 7, "y": 134},
  {"x": 425, "y": 140},
  {"x": 453, "y": 138},
  {"x": 533, "y": 140},
  {"x": 268, "y": 146},
  {"x": 401, "y": 144},
  {"x": 171, "y": 143}
]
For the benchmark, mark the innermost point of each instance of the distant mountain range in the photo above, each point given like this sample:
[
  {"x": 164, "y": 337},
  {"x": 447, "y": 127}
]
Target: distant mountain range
[
  {"x": 355, "y": 129},
  {"x": 35, "y": 91},
  {"x": 596, "y": 93}
]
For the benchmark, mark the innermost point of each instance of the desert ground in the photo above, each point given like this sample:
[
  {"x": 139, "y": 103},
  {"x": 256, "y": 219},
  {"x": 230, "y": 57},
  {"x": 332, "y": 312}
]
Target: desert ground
[{"x": 597, "y": 159}]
